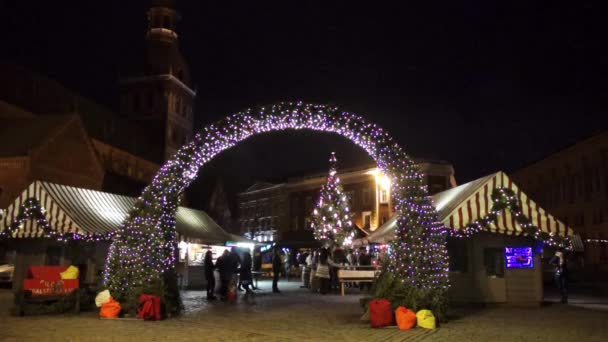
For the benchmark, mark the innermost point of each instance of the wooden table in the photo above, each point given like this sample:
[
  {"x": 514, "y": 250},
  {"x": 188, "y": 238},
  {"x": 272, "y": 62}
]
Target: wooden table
[{"x": 346, "y": 276}]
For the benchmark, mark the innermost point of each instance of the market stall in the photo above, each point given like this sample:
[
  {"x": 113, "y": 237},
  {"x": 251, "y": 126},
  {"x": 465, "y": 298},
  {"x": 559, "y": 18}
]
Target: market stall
[
  {"x": 493, "y": 223},
  {"x": 53, "y": 224}
]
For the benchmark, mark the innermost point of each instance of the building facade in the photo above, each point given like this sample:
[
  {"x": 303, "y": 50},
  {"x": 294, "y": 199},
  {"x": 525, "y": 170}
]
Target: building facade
[
  {"x": 55, "y": 148},
  {"x": 59, "y": 136},
  {"x": 279, "y": 212},
  {"x": 573, "y": 185}
]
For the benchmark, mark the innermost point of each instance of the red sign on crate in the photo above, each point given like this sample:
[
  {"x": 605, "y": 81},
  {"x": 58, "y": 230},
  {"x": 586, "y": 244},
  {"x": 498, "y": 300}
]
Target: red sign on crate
[{"x": 46, "y": 281}]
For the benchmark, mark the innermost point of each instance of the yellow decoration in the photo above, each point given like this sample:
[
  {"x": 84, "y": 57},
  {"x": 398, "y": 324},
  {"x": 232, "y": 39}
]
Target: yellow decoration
[
  {"x": 425, "y": 319},
  {"x": 70, "y": 273}
]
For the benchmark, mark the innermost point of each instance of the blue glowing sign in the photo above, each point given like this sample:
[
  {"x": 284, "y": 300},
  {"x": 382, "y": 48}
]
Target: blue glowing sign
[{"x": 519, "y": 257}]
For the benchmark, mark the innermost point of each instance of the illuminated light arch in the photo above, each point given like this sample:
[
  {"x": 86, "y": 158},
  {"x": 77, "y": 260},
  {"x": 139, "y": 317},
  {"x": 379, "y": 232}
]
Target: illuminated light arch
[{"x": 145, "y": 246}]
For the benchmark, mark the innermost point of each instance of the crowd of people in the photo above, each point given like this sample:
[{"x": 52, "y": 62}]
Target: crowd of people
[
  {"x": 321, "y": 268},
  {"x": 235, "y": 273},
  {"x": 318, "y": 269}
]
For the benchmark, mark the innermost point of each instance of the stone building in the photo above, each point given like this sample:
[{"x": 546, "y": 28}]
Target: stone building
[
  {"x": 55, "y": 148},
  {"x": 573, "y": 185},
  {"x": 279, "y": 212},
  {"x": 51, "y": 133}
]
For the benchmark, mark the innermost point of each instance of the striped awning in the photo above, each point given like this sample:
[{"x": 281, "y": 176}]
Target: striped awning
[
  {"x": 76, "y": 210},
  {"x": 467, "y": 203}
]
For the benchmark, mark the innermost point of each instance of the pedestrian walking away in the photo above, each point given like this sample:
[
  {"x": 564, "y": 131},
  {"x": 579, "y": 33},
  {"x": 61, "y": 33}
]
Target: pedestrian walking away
[
  {"x": 276, "y": 270},
  {"x": 246, "y": 278},
  {"x": 222, "y": 267},
  {"x": 209, "y": 275}
]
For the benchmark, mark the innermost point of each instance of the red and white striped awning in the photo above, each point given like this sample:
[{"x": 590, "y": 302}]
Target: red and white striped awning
[
  {"x": 467, "y": 203},
  {"x": 470, "y": 202},
  {"x": 83, "y": 211}
]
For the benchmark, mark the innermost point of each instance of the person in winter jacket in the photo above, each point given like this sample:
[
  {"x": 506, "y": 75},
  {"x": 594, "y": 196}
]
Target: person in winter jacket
[
  {"x": 209, "y": 268},
  {"x": 276, "y": 269},
  {"x": 246, "y": 277},
  {"x": 560, "y": 263},
  {"x": 222, "y": 265},
  {"x": 323, "y": 271}
]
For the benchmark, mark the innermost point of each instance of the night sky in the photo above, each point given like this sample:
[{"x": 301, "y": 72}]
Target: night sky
[{"x": 486, "y": 86}]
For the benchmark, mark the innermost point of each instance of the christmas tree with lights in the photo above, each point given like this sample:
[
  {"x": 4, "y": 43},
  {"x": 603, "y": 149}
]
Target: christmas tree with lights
[{"x": 331, "y": 219}]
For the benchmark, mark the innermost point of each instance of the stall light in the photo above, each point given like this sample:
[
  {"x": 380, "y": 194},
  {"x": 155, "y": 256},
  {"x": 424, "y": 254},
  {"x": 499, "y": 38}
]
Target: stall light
[
  {"x": 184, "y": 245},
  {"x": 245, "y": 245}
]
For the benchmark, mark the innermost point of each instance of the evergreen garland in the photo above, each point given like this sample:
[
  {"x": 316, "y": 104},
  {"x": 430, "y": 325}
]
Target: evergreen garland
[
  {"x": 506, "y": 199},
  {"x": 31, "y": 209}
]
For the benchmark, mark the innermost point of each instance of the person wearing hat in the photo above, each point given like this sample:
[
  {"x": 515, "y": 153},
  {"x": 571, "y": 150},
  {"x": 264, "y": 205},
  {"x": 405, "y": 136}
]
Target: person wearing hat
[{"x": 560, "y": 263}]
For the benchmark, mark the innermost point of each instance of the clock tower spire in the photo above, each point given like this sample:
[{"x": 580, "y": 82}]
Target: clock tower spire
[{"x": 160, "y": 95}]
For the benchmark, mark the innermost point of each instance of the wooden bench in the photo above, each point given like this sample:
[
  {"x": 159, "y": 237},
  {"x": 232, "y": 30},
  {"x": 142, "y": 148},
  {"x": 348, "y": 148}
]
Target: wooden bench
[{"x": 346, "y": 276}]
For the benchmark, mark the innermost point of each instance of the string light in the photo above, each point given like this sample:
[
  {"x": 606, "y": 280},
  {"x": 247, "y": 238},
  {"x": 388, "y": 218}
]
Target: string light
[
  {"x": 32, "y": 210},
  {"x": 144, "y": 247},
  {"x": 596, "y": 240},
  {"x": 502, "y": 199}
]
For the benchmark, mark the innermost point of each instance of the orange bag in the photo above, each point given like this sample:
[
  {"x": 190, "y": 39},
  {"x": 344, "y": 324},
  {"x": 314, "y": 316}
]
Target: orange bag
[
  {"x": 110, "y": 309},
  {"x": 406, "y": 318}
]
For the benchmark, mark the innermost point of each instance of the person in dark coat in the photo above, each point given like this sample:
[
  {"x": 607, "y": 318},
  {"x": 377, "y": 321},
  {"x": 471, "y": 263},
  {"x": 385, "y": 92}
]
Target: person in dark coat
[
  {"x": 209, "y": 268},
  {"x": 338, "y": 258},
  {"x": 234, "y": 260},
  {"x": 560, "y": 263},
  {"x": 276, "y": 270},
  {"x": 222, "y": 265},
  {"x": 365, "y": 260},
  {"x": 245, "y": 272}
]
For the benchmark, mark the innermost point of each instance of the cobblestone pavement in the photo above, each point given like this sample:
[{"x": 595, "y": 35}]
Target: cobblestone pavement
[{"x": 297, "y": 315}]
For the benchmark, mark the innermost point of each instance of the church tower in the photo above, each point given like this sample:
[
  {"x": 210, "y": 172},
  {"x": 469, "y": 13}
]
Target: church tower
[{"x": 158, "y": 95}]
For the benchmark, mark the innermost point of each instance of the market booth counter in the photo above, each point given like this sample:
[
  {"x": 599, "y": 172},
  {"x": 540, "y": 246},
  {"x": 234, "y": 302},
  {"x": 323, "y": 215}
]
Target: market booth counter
[
  {"x": 62, "y": 212},
  {"x": 501, "y": 263}
]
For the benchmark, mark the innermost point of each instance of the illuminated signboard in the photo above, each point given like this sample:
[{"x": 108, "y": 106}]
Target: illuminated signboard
[{"x": 519, "y": 257}]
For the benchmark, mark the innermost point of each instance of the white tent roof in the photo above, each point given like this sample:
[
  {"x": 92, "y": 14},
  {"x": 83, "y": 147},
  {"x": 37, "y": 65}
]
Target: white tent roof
[{"x": 83, "y": 211}]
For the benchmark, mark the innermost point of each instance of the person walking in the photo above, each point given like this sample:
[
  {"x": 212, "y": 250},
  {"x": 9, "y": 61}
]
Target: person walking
[
  {"x": 222, "y": 267},
  {"x": 314, "y": 281},
  {"x": 307, "y": 259},
  {"x": 276, "y": 270},
  {"x": 246, "y": 278},
  {"x": 560, "y": 262},
  {"x": 287, "y": 264},
  {"x": 322, "y": 271},
  {"x": 209, "y": 275}
]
